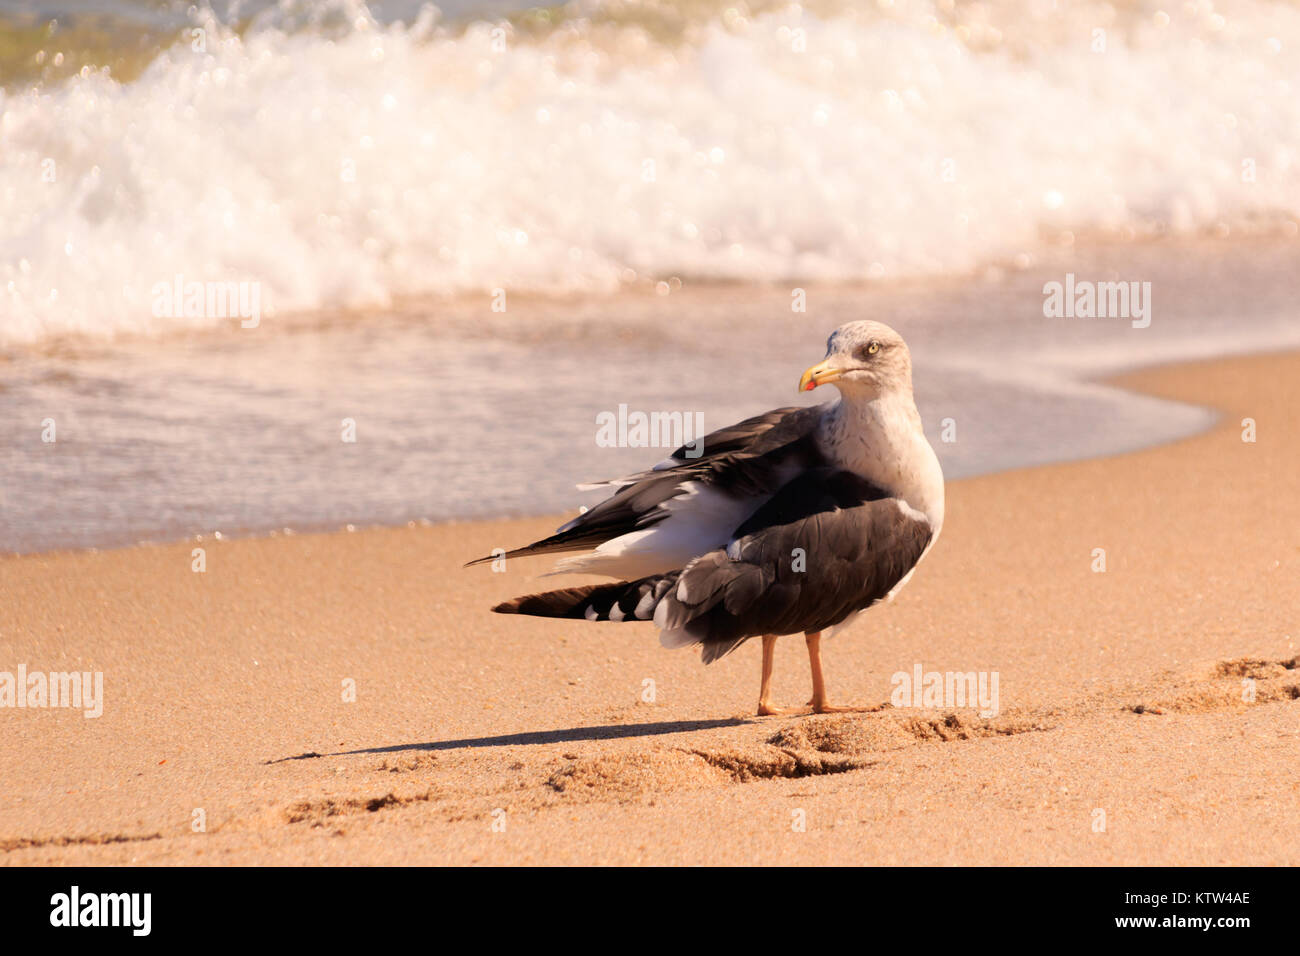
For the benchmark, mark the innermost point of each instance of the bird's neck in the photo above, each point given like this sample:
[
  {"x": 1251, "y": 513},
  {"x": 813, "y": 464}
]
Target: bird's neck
[{"x": 880, "y": 438}]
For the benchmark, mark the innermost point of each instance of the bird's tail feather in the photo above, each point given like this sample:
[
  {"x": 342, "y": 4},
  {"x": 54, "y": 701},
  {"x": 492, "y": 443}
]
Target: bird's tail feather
[
  {"x": 623, "y": 601},
  {"x": 653, "y": 599}
]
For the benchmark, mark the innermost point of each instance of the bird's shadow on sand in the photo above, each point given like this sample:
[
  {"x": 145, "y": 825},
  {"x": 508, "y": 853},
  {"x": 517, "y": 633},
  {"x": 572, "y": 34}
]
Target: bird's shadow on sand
[{"x": 569, "y": 735}]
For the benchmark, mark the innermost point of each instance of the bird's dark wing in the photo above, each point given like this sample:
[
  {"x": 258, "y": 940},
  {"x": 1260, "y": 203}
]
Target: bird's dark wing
[
  {"x": 827, "y": 545},
  {"x": 752, "y": 458},
  {"x": 752, "y": 435}
]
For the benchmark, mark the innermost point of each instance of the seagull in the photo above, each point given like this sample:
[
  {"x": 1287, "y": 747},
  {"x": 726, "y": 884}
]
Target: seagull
[{"x": 793, "y": 521}]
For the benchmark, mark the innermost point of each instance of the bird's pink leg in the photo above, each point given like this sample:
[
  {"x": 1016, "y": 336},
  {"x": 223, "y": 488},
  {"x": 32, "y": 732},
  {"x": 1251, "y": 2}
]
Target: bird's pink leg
[
  {"x": 820, "y": 704},
  {"x": 765, "y": 708}
]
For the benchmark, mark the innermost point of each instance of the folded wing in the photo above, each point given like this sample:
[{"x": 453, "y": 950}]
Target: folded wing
[{"x": 827, "y": 545}]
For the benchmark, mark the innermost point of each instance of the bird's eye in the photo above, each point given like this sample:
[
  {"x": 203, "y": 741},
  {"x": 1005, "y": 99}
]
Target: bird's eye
[{"x": 873, "y": 348}]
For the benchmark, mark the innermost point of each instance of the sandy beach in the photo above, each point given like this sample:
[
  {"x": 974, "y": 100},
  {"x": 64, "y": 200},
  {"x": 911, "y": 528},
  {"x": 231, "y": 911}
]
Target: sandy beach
[{"x": 1124, "y": 735}]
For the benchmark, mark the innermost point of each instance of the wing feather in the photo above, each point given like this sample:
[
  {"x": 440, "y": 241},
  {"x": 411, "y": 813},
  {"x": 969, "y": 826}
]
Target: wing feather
[
  {"x": 748, "y": 460},
  {"x": 858, "y": 543}
]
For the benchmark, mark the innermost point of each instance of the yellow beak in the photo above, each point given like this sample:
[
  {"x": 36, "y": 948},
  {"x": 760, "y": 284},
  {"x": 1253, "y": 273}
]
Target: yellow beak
[{"x": 819, "y": 374}]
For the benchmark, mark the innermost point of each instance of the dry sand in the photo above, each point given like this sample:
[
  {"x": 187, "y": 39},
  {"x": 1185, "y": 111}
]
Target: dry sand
[{"x": 1121, "y": 692}]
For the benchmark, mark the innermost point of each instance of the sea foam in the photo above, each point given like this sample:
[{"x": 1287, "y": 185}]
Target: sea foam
[{"x": 344, "y": 168}]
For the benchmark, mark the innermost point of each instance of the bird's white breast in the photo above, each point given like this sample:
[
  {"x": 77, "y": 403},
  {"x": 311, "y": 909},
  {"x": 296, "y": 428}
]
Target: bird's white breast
[{"x": 882, "y": 441}]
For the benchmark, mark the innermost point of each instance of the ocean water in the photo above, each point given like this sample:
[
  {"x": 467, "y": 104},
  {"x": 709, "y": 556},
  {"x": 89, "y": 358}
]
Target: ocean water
[
  {"x": 645, "y": 184},
  {"x": 343, "y": 158},
  {"x": 460, "y": 412}
]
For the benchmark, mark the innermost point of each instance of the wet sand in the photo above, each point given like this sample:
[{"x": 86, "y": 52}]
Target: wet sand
[{"x": 1123, "y": 735}]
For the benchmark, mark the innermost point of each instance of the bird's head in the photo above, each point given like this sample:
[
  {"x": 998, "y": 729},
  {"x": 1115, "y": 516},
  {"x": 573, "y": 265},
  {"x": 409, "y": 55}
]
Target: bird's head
[{"x": 864, "y": 359}]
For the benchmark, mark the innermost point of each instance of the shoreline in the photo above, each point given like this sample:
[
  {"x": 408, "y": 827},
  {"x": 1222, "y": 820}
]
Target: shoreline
[
  {"x": 1121, "y": 692},
  {"x": 240, "y": 433},
  {"x": 1120, "y": 381}
]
